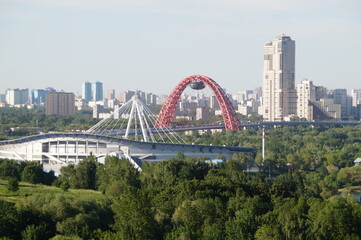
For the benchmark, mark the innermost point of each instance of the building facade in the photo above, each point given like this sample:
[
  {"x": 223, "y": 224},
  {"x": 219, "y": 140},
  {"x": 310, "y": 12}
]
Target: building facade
[
  {"x": 279, "y": 93},
  {"x": 17, "y": 96},
  {"x": 87, "y": 91},
  {"x": 38, "y": 96},
  {"x": 97, "y": 89},
  {"x": 60, "y": 103},
  {"x": 306, "y": 92}
]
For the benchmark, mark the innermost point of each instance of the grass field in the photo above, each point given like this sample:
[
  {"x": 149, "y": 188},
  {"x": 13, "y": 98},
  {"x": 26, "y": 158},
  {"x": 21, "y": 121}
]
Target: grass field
[{"x": 27, "y": 189}]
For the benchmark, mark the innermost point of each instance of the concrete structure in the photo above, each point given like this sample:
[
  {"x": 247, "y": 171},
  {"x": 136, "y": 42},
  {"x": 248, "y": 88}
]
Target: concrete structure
[
  {"x": 60, "y": 103},
  {"x": 97, "y": 91},
  {"x": 279, "y": 94},
  {"x": 87, "y": 91},
  {"x": 17, "y": 96},
  {"x": 64, "y": 148}
]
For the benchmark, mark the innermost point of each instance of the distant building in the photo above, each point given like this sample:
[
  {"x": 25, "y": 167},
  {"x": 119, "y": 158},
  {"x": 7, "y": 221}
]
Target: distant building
[
  {"x": 356, "y": 103},
  {"x": 97, "y": 109},
  {"x": 3, "y": 98},
  {"x": 340, "y": 97},
  {"x": 17, "y": 96},
  {"x": 306, "y": 92},
  {"x": 357, "y": 161},
  {"x": 279, "y": 93},
  {"x": 111, "y": 94},
  {"x": 125, "y": 96},
  {"x": 87, "y": 91},
  {"x": 60, "y": 103},
  {"x": 213, "y": 103},
  {"x": 97, "y": 90},
  {"x": 356, "y": 97},
  {"x": 202, "y": 113},
  {"x": 38, "y": 96}
]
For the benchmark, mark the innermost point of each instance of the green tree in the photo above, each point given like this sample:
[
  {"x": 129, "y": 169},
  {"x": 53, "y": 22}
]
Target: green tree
[
  {"x": 85, "y": 176},
  {"x": 133, "y": 216},
  {"x": 64, "y": 186},
  {"x": 13, "y": 185},
  {"x": 9, "y": 169},
  {"x": 115, "y": 174},
  {"x": 32, "y": 173}
]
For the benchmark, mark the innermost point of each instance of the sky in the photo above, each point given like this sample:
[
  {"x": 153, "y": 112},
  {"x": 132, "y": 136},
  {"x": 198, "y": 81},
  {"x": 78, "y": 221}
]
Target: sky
[{"x": 151, "y": 45}]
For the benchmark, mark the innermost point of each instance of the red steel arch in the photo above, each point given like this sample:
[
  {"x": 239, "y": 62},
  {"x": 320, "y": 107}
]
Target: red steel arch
[{"x": 166, "y": 114}]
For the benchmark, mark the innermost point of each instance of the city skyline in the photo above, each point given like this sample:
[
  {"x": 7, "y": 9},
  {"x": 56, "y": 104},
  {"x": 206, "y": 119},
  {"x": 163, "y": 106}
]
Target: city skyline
[{"x": 153, "y": 45}]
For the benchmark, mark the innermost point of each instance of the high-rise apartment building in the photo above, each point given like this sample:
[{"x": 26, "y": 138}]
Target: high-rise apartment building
[
  {"x": 306, "y": 92},
  {"x": 17, "y": 96},
  {"x": 356, "y": 97},
  {"x": 279, "y": 93},
  {"x": 97, "y": 89},
  {"x": 87, "y": 91},
  {"x": 340, "y": 97},
  {"x": 60, "y": 103}
]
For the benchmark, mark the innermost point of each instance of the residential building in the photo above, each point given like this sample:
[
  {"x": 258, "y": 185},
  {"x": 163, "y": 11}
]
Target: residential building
[
  {"x": 202, "y": 113},
  {"x": 279, "y": 93},
  {"x": 60, "y": 103},
  {"x": 306, "y": 92}
]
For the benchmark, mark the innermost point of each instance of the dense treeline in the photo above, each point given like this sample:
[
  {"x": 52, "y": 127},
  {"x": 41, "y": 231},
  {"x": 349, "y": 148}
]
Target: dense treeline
[
  {"x": 302, "y": 147},
  {"x": 186, "y": 198}
]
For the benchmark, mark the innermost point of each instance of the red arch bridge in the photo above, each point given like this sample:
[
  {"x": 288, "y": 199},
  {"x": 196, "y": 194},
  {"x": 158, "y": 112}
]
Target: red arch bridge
[{"x": 166, "y": 114}]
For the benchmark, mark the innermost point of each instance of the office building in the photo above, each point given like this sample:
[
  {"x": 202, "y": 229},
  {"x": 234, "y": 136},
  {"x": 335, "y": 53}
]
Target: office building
[
  {"x": 279, "y": 93},
  {"x": 87, "y": 91},
  {"x": 97, "y": 90},
  {"x": 38, "y": 96},
  {"x": 17, "y": 96},
  {"x": 60, "y": 103}
]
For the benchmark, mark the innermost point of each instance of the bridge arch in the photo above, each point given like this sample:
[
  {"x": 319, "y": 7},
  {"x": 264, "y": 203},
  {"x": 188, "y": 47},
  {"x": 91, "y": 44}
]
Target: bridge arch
[{"x": 166, "y": 114}]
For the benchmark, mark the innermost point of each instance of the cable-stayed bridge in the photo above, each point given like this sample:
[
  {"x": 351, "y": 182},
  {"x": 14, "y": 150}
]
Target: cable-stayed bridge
[{"x": 132, "y": 132}]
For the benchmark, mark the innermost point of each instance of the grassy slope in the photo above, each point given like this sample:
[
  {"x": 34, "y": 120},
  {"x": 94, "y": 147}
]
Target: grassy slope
[{"x": 27, "y": 189}]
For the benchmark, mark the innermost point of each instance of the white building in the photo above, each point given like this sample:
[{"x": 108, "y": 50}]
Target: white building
[
  {"x": 306, "y": 92},
  {"x": 202, "y": 113},
  {"x": 356, "y": 97},
  {"x": 279, "y": 93},
  {"x": 17, "y": 96}
]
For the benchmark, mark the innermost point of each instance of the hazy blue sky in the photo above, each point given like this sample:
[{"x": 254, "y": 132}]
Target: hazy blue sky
[{"x": 152, "y": 44}]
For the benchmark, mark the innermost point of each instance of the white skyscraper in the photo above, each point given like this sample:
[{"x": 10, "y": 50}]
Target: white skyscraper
[{"x": 279, "y": 93}]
